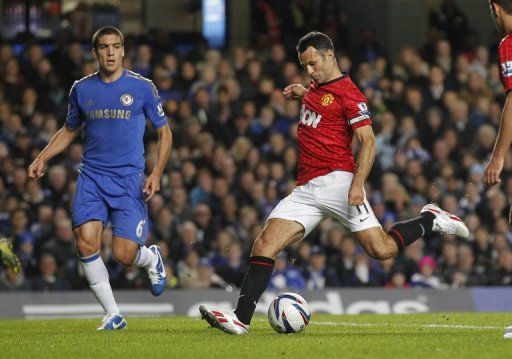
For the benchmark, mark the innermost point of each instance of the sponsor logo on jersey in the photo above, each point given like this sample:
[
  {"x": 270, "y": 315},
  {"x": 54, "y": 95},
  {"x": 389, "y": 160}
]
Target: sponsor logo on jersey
[
  {"x": 363, "y": 109},
  {"x": 126, "y": 99},
  {"x": 327, "y": 99},
  {"x": 108, "y": 114},
  {"x": 160, "y": 110},
  {"x": 309, "y": 118},
  {"x": 506, "y": 69}
]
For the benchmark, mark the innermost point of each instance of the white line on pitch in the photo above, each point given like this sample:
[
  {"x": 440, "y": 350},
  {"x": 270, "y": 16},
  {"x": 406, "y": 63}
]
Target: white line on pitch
[
  {"x": 390, "y": 325},
  {"x": 447, "y": 326}
]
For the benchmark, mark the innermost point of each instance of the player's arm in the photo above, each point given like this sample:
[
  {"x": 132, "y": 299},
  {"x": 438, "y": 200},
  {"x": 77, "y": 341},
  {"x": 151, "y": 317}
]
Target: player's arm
[
  {"x": 364, "y": 164},
  {"x": 294, "y": 91},
  {"x": 164, "y": 149},
  {"x": 61, "y": 140},
  {"x": 495, "y": 166}
]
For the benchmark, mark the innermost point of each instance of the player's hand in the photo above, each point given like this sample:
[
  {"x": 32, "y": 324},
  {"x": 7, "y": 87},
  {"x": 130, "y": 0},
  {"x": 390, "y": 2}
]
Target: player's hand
[
  {"x": 152, "y": 185},
  {"x": 35, "y": 170},
  {"x": 356, "y": 195},
  {"x": 294, "y": 91},
  {"x": 493, "y": 171}
]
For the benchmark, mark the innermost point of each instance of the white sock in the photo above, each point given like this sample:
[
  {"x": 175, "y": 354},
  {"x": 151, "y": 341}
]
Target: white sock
[
  {"x": 97, "y": 277},
  {"x": 145, "y": 258}
]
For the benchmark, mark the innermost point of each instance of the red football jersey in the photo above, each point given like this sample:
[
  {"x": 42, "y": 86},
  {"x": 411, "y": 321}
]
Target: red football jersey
[
  {"x": 505, "y": 62},
  {"x": 329, "y": 114}
]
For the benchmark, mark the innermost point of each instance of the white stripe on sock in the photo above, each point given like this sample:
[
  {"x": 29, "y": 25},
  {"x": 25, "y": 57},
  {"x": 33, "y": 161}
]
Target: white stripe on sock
[{"x": 422, "y": 230}]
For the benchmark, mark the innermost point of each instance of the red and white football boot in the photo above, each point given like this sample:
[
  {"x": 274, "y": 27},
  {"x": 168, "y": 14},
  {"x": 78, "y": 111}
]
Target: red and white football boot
[
  {"x": 224, "y": 320},
  {"x": 445, "y": 222}
]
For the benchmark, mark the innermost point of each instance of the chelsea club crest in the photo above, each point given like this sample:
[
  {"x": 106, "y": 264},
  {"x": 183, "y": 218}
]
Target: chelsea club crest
[{"x": 126, "y": 99}]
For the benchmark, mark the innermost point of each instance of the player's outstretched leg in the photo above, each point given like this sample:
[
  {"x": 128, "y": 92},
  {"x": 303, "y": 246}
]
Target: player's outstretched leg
[
  {"x": 431, "y": 219},
  {"x": 277, "y": 235},
  {"x": 381, "y": 245},
  {"x": 151, "y": 259}
]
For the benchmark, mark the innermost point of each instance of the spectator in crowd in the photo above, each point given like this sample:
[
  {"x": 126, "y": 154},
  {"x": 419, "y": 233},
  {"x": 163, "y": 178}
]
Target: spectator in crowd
[
  {"x": 285, "y": 276},
  {"x": 364, "y": 275},
  {"x": 426, "y": 278},
  {"x": 465, "y": 273},
  {"x": 503, "y": 272},
  {"x": 188, "y": 269},
  {"x": 130, "y": 278},
  {"x": 187, "y": 241},
  {"x": 397, "y": 281},
  {"x": 448, "y": 262},
  {"x": 206, "y": 224},
  {"x": 345, "y": 261},
  {"x": 317, "y": 274},
  {"x": 10, "y": 281},
  {"x": 48, "y": 281},
  {"x": 234, "y": 269},
  {"x": 207, "y": 278}
]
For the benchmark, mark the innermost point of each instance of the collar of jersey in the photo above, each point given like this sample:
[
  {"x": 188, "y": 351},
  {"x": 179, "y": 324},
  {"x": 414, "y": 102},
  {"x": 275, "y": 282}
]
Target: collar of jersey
[
  {"x": 333, "y": 80},
  {"x": 113, "y": 82}
]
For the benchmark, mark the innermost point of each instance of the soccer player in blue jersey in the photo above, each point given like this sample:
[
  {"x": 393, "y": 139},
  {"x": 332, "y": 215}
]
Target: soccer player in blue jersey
[{"x": 111, "y": 107}]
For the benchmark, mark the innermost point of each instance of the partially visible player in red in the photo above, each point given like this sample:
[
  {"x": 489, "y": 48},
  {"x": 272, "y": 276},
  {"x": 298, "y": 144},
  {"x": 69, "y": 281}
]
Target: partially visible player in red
[
  {"x": 502, "y": 14},
  {"x": 330, "y": 182}
]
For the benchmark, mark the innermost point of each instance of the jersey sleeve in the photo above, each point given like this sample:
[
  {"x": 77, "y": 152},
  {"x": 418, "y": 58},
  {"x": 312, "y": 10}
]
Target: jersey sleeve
[
  {"x": 355, "y": 109},
  {"x": 153, "y": 107},
  {"x": 505, "y": 60},
  {"x": 73, "y": 118}
]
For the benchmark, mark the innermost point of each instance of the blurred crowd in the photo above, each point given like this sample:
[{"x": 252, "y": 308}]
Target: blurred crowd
[{"x": 436, "y": 111}]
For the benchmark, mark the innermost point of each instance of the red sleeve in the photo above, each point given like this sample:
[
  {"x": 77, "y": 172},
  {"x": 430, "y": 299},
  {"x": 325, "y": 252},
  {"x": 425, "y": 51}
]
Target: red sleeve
[
  {"x": 505, "y": 60},
  {"x": 355, "y": 108}
]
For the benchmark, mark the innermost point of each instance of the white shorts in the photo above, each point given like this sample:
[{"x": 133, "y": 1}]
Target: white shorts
[{"x": 323, "y": 197}]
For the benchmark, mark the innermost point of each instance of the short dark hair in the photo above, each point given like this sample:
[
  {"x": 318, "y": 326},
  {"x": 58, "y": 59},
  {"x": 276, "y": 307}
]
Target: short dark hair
[
  {"x": 106, "y": 30},
  {"x": 505, "y": 4},
  {"x": 315, "y": 39}
]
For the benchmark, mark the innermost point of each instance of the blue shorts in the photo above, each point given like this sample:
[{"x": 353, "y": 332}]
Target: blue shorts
[{"x": 119, "y": 200}]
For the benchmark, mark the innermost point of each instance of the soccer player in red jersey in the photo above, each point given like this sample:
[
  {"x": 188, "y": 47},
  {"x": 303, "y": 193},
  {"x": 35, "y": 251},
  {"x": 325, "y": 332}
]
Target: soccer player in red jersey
[
  {"x": 502, "y": 14},
  {"x": 330, "y": 183}
]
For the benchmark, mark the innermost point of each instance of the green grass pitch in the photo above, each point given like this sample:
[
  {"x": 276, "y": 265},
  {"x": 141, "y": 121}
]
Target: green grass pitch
[{"x": 461, "y": 335}]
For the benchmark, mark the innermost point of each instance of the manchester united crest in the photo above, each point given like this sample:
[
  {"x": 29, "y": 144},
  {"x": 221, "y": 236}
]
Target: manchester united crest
[{"x": 327, "y": 99}]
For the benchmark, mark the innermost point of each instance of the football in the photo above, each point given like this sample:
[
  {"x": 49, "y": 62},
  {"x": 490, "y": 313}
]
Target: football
[{"x": 289, "y": 313}]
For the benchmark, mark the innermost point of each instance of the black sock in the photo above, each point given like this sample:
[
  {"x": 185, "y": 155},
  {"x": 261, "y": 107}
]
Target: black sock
[
  {"x": 255, "y": 282},
  {"x": 405, "y": 233}
]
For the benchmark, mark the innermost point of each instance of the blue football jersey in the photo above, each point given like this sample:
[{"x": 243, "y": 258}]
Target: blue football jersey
[{"x": 113, "y": 116}]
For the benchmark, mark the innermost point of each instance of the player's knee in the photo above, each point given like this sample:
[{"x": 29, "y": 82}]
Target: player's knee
[
  {"x": 86, "y": 248},
  {"x": 124, "y": 257},
  {"x": 382, "y": 251},
  {"x": 263, "y": 246}
]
